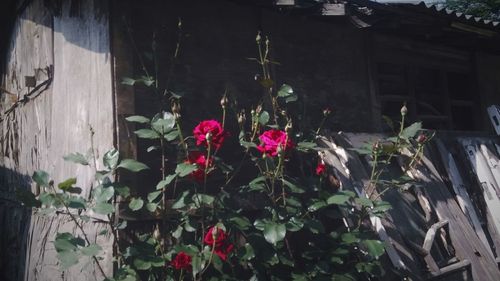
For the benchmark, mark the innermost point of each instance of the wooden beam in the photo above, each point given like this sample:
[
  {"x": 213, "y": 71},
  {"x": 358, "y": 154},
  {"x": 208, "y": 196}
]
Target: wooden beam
[
  {"x": 461, "y": 193},
  {"x": 333, "y": 10}
]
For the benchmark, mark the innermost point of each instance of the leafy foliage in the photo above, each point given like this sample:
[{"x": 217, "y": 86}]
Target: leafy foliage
[{"x": 260, "y": 218}]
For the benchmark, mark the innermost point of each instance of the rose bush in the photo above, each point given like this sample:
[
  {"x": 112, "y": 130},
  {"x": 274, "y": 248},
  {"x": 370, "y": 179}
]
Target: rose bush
[{"x": 267, "y": 214}]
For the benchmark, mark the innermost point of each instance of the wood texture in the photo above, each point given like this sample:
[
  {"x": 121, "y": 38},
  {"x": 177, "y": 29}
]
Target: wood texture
[{"x": 55, "y": 122}]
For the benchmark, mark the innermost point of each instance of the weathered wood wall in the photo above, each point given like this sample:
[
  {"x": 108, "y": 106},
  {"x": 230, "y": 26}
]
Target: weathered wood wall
[{"x": 70, "y": 43}]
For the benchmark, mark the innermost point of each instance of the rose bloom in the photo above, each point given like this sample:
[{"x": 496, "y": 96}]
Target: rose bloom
[
  {"x": 271, "y": 140},
  {"x": 320, "y": 169},
  {"x": 217, "y": 238},
  {"x": 223, "y": 251},
  {"x": 213, "y": 127},
  {"x": 215, "y": 234},
  {"x": 182, "y": 261},
  {"x": 198, "y": 158}
]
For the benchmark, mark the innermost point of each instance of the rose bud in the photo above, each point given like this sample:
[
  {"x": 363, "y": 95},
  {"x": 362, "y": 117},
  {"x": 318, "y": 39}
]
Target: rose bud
[
  {"x": 224, "y": 101},
  {"x": 404, "y": 110},
  {"x": 421, "y": 138},
  {"x": 258, "y": 110},
  {"x": 241, "y": 117},
  {"x": 176, "y": 110},
  {"x": 288, "y": 127},
  {"x": 156, "y": 234},
  {"x": 327, "y": 111}
]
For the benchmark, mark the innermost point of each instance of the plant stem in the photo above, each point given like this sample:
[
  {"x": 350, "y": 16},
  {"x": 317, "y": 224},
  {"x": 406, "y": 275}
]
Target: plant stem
[{"x": 79, "y": 227}]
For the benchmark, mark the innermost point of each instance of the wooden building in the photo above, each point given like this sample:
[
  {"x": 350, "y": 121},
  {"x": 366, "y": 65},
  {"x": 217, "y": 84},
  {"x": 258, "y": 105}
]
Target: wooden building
[{"x": 62, "y": 64}]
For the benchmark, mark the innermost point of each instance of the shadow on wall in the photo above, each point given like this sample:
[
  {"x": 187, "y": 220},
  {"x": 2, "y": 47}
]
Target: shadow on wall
[{"x": 14, "y": 225}]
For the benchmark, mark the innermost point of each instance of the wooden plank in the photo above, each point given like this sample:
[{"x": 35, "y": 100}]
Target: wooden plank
[
  {"x": 485, "y": 176},
  {"x": 465, "y": 241},
  {"x": 461, "y": 193},
  {"x": 57, "y": 121}
]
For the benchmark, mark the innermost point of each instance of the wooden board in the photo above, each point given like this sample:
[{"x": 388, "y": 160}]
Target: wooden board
[{"x": 55, "y": 122}]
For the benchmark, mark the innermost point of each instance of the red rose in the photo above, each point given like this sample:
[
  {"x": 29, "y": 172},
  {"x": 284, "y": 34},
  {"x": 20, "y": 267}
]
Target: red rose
[
  {"x": 182, "y": 261},
  {"x": 320, "y": 169},
  {"x": 214, "y": 128},
  {"x": 217, "y": 238},
  {"x": 215, "y": 234},
  {"x": 271, "y": 140},
  {"x": 198, "y": 158},
  {"x": 222, "y": 252}
]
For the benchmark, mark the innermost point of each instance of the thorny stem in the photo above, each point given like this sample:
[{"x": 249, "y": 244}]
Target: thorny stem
[
  {"x": 321, "y": 125},
  {"x": 110, "y": 220},
  {"x": 79, "y": 227},
  {"x": 181, "y": 138}
]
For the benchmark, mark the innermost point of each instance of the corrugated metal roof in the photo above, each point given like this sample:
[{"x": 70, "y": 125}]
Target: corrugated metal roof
[{"x": 438, "y": 8}]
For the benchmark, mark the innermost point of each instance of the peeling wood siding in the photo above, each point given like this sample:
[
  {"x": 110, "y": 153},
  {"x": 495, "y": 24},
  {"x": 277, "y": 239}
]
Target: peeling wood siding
[{"x": 38, "y": 133}]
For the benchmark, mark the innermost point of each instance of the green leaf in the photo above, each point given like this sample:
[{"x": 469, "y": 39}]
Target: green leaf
[
  {"x": 285, "y": 91},
  {"x": 181, "y": 202},
  {"x": 365, "y": 202},
  {"x": 77, "y": 158},
  {"x": 166, "y": 181},
  {"x": 110, "y": 159},
  {"x": 381, "y": 207},
  {"x": 142, "y": 264},
  {"x": 375, "y": 248},
  {"x": 248, "y": 253},
  {"x": 67, "y": 184},
  {"x": 138, "y": 119},
  {"x": 196, "y": 265},
  {"x": 67, "y": 259},
  {"x": 165, "y": 124},
  {"x": 306, "y": 146},
  {"x": 128, "y": 81},
  {"x": 294, "y": 224},
  {"x": 178, "y": 232},
  {"x": 132, "y": 165},
  {"x": 172, "y": 135},
  {"x": 273, "y": 232},
  {"x": 91, "y": 250},
  {"x": 338, "y": 199},
  {"x": 315, "y": 226},
  {"x": 264, "y": 118},
  {"x": 258, "y": 183},
  {"x": 240, "y": 222},
  {"x": 104, "y": 208},
  {"x": 147, "y": 134},
  {"x": 123, "y": 191},
  {"x": 153, "y": 195},
  {"x": 41, "y": 178},
  {"x": 294, "y": 188},
  {"x": 103, "y": 194},
  {"x": 317, "y": 205},
  {"x": 350, "y": 237},
  {"x": 247, "y": 144},
  {"x": 184, "y": 169},
  {"x": 203, "y": 199},
  {"x": 65, "y": 242},
  {"x": 76, "y": 203},
  {"x": 151, "y": 207},
  {"x": 412, "y": 130},
  {"x": 47, "y": 199},
  {"x": 136, "y": 204}
]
